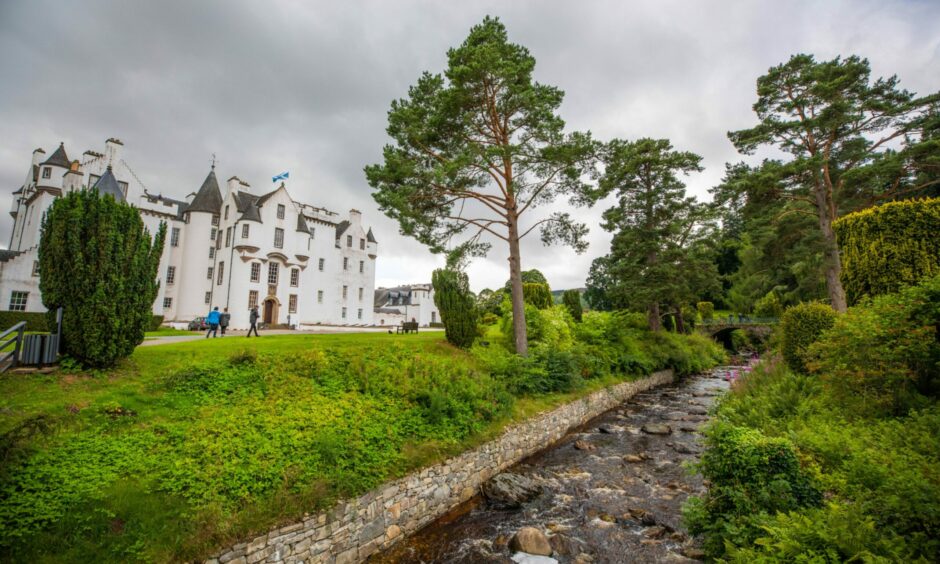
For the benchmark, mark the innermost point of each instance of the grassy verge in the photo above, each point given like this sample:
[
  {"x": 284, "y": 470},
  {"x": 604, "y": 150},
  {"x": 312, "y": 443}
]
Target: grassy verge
[
  {"x": 189, "y": 446},
  {"x": 169, "y": 332}
]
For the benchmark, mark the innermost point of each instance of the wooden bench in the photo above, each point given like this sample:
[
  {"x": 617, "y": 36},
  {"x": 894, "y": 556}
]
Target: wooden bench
[{"x": 407, "y": 327}]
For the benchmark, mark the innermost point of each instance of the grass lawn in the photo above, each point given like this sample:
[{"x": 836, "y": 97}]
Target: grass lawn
[
  {"x": 189, "y": 446},
  {"x": 169, "y": 332}
]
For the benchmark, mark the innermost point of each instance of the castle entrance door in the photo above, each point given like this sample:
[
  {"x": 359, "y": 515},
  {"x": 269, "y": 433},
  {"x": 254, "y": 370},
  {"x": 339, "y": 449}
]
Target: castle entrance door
[{"x": 270, "y": 311}]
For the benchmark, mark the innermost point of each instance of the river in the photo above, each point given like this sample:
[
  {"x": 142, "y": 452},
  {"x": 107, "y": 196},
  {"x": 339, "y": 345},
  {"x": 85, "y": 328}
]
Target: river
[{"x": 613, "y": 490}]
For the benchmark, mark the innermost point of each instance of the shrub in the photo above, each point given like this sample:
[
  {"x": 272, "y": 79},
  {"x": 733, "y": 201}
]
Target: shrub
[
  {"x": 457, "y": 305},
  {"x": 35, "y": 321},
  {"x": 706, "y": 310},
  {"x": 887, "y": 247},
  {"x": 572, "y": 301},
  {"x": 882, "y": 355},
  {"x": 537, "y": 295},
  {"x": 752, "y": 477},
  {"x": 769, "y": 306},
  {"x": 155, "y": 322},
  {"x": 801, "y": 326},
  {"x": 98, "y": 262}
]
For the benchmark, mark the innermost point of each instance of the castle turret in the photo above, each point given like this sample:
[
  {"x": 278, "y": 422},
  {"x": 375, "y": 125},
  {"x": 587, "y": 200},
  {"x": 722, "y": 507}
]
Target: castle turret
[{"x": 52, "y": 169}]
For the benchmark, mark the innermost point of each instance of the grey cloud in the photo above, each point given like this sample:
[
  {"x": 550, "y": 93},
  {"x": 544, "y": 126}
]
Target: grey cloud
[{"x": 305, "y": 86}]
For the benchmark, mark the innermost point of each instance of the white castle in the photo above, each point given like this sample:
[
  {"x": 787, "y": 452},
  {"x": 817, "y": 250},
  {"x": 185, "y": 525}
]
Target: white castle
[{"x": 299, "y": 264}]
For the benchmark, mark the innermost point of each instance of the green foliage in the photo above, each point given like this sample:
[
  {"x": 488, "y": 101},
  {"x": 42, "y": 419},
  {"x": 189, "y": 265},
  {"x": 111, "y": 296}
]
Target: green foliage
[
  {"x": 35, "y": 321},
  {"x": 538, "y": 295},
  {"x": 879, "y": 473},
  {"x": 800, "y": 326},
  {"x": 442, "y": 156},
  {"x": 751, "y": 477},
  {"x": 457, "y": 305},
  {"x": 769, "y": 306},
  {"x": 99, "y": 263},
  {"x": 883, "y": 356},
  {"x": 706, "y": 310},
  {"x": 155, "y": 322},
  {"x": 660, "y": 253},
  {"x": 572, "y": 301},
  {"x": 533, "y": 276},
  {"x": 888, "y": 247}
]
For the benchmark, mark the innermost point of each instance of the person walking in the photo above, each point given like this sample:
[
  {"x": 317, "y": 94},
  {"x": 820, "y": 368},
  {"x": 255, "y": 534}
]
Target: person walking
[
  {"x": 223, "y": 320},
  {"x": 253, "y": 318},
  {"x": 213, "y": 320}
]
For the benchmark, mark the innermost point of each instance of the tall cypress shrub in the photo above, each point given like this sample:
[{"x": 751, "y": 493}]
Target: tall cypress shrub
[
  {"x": 453, "y": 298},
  {"x": 572, "y": 301},
  {"x": 98, "y": 262},
  {"x": 538, "y": 295},
  {"x": 888, "y": 247}
]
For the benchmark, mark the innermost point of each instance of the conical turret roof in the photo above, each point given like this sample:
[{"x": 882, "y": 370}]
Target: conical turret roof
[
  {"x": 107, "y": 184},
  {"x": 209, "y": 198},
  {"x": 58, "y": 158}
]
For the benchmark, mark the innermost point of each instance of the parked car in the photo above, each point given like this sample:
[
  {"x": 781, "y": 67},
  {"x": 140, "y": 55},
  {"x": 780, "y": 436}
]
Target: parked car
[{"x": 198, "y": 324}]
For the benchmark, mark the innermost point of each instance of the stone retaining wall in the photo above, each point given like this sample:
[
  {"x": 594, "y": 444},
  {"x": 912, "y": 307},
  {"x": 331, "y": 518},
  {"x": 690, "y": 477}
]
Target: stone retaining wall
[{"x": 357, "y": 528}]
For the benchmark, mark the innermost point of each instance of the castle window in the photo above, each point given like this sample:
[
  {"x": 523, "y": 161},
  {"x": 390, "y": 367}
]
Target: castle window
[
  {"x": 362, "y": 266},
  {"x": 345, "y": 263},
  {"x": 228, "y": 236},
  {"x": 362, "y": 244},
  {"x": 280, "y": 211},
  {"x": 35, "y": 268},
  {"x": 292, "y": 303},
  {"x": 226, "y": 212},
  {"x": 93, "y": 179},
  {"x": 208, "y": 298},
  {"x": 359, "y": 313},
  {"x": 252, "y": 299},
  {"x": 211, "y": 253},
  {"x": 209, "y": 274},
  {"x": 18, "y": 301},
  {"x": 123, "y": 187},
  {"x": 344, "y": 313},
  {"x": 360, "y": 294},
  {"x": 272, "y": 272},
  {"x": 167, "y": 303},
  {"x": 349, "y": 240},
  {"x": 345, "y": 291},
  {"x": 221, "y": 273},
  {"x": 321, "y": 264},
  {"x": 215, "y": 219},
  {"x": 47, "y": 172},
  {"x": 256, "y": 272},
  {"x": 278, "y": 238},
  {"x": 319, "y": 296},
  {"x": 295, "y": 277},
  {"x": 245, "y": 231},
  {"x": 175, "y": 237},
  {"x": 170, "y": 274},
  {"x": 212, "y": 234}
]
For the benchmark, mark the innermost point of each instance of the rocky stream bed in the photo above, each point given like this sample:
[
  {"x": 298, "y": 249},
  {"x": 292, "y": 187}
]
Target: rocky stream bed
[{"x": 610, "y": 491}]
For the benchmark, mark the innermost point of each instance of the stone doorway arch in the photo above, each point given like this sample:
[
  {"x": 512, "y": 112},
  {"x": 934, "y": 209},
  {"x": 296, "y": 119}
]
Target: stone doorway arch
[{"x": 270, "y": 310}]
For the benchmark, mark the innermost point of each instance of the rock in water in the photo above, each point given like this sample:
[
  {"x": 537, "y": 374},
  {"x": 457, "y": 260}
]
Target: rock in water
[
  {"x": 657, "y": 429},
  {"x": 584, "y": 445},
  {"x": 510, "y": 490},
  {"x": 531, "y": 541}
]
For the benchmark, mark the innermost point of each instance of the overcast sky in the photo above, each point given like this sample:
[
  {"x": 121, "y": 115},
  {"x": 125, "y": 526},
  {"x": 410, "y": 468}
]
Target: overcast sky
[{"x": 305, "y": 86}]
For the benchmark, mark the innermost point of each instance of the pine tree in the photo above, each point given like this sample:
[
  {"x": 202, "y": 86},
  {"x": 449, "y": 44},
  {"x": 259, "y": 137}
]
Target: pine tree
[
  {"x": 457, "y": 305},
  {"x": 98, "y": 262}
]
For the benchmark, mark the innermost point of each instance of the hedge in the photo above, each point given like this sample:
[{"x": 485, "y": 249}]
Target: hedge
[
  {"x": 888, "y": 247},
  {"x": 35, "y": 321},
  {"x": 538, "y": 295},
  {"x": 800, "y": 327}
]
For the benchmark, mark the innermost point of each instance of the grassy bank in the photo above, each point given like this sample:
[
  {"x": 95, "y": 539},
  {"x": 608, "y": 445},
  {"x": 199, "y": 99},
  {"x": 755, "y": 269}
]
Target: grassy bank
[{"x": 189, "y": 446}]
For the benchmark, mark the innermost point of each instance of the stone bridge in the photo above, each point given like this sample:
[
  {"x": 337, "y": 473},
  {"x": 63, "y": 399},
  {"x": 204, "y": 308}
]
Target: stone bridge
[{"x": 720, "y": 329}]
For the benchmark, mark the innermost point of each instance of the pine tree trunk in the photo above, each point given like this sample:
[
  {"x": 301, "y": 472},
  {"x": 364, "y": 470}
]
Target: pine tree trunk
[
  {"x": 680, "y": 322},
  {"x": 831, "y": 260},
  {"x": 653, "y": 316},
  {"x": 515, "y": 279}
]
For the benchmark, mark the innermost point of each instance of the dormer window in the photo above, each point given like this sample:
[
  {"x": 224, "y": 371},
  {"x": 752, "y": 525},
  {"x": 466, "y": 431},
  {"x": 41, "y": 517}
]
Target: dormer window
[
  {"x": 280, "y": 211},
  {"x": 47, "y": 172}
]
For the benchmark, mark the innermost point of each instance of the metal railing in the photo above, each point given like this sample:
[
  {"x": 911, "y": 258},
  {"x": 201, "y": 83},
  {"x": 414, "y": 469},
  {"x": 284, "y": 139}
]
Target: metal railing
[
  {"x": 10, "y": 358},
  {"x": 740, "y": 321}
]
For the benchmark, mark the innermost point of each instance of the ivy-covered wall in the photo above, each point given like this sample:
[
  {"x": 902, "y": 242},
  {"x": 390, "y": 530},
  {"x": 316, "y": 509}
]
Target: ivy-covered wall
[{"x": 888, "y": 247}]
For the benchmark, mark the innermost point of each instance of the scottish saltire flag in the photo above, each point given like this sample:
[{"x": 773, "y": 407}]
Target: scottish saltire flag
[{"x": 282, "y": 176}]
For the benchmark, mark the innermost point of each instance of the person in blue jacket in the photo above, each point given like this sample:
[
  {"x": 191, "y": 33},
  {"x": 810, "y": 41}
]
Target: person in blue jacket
[{"x": 213, "y": 320}]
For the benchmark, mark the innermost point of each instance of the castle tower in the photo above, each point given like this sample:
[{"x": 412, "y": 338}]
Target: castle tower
[{"x": 198, "y": 268}]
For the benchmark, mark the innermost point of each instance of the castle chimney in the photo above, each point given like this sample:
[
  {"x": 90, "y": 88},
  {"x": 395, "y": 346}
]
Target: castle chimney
[
  {"x": 73, "y": 178},
  {"x": 38, "y": 156},
  {"x": 112, "y": 151}
]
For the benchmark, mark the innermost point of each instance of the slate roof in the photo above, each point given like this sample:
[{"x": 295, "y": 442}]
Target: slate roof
[
  {"x": 58, "y": 158},
  {"x": 107, "y": 184},
  {"x": 247, "y": 205},
  {"x": 370, "y": 237},
  {"x": 341, "y": 228},
  {"x": 6, "y": 255},
  {"x": 209, "y": 198},
  {"x": 265, "y": 198},
  {"x": 302, "y": 224}
]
